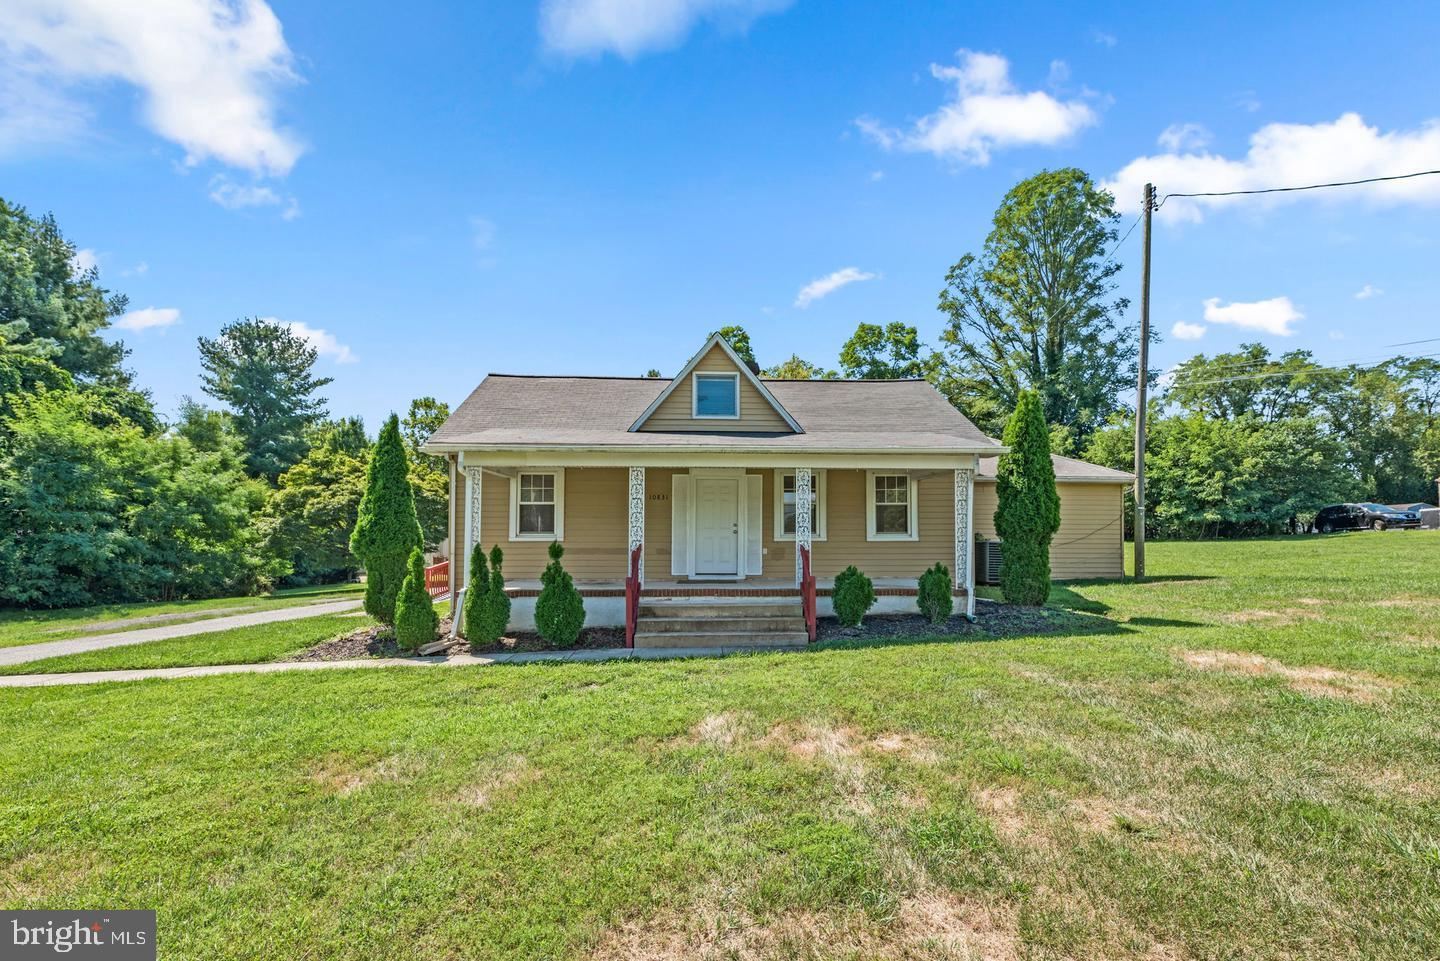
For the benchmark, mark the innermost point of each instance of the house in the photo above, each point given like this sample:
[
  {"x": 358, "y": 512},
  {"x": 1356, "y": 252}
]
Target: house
[{"x": 681, "y": 501}]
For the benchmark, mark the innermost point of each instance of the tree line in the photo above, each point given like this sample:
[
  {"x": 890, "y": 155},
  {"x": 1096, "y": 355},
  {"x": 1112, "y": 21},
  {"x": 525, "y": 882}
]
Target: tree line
[{"x": 102, "y": 499}]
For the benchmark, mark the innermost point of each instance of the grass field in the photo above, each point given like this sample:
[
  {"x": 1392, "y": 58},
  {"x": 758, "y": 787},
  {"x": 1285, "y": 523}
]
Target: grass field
[
  {"x": 34, "y": 627},
  {"x": 1236, "y": 759}
]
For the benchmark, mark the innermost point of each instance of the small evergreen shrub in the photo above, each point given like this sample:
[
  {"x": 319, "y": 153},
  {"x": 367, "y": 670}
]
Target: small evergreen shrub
[
  {"x": 559, "y": 610},
  {"x": 934, "y": 594},
  {"x": 854, "y": 594},
  {"x": 386, "y": 530},
  {"x": 494, "y": 610},
  {"x": 1027, "y": 514},
  {"x": 477, "y": 582},
  {"x": 415, "y": 617}
]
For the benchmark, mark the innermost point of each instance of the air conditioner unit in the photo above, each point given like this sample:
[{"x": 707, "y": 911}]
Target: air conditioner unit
[{"x": 988, "y": 558}]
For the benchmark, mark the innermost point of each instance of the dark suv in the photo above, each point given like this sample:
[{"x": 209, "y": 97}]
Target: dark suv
[{"x": 1349, "y": 517}]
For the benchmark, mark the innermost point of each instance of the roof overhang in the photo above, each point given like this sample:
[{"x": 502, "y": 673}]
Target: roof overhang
[{"x": 625, "y": 455}]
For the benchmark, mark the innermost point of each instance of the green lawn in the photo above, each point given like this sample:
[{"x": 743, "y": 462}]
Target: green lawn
[
  {"x": 35, "y": 627},
  {"x": 1236, "y": 759}
]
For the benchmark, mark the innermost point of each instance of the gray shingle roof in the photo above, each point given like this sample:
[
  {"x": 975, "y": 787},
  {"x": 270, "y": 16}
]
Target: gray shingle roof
[
  {"x": 1066, "y": 469},
  {"x": 507, "y": 410}
]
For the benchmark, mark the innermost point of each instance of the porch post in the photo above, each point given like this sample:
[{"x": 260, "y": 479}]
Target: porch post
[
  {"x": 964, "y": 521},
  {"x": 472, "y": 513},
  {"x": 802, "y": 517},
  {"x": 637, "y": 520}
]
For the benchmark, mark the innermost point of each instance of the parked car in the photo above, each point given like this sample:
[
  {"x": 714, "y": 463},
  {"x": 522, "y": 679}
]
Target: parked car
[{"x": 1351, "y": 517}]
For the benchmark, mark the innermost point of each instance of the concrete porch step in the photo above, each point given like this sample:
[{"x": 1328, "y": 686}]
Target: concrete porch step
[
  {"x": 676, "y": 639},
  {"x": 719, "y": 607},
  {"x": 729, "y": 624}
]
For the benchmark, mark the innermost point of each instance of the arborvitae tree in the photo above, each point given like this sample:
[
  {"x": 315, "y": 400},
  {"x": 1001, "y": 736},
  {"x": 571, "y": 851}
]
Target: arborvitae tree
[
  {"x": 386, "y": 531},
  {"x": 495, "y": 606},
  {"x": 852, "y": 596},
  {"x": 1029, "y": 507},
  {"x": 477, "y": 582},
  {"x": 559, "y": 610},
  {"x": 934, "y": 596},
  {"x": 415, "y": 617}
]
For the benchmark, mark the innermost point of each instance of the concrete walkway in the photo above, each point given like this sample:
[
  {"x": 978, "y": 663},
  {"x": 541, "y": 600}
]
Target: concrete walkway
[
  {"x": 453, "y": 660},
  {"x": 25, "y": 653}
]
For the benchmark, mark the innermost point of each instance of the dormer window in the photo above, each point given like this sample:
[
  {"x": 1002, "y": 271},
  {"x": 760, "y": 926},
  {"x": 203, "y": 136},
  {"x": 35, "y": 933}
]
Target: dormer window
[{"x": 716, "y": 396}]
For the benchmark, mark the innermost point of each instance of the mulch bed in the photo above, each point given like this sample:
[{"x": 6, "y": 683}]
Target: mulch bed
[
  {"x": 992, "y": 620},
  {"x": 375, "y": 641},
  {"x": 379, "y": 641}
]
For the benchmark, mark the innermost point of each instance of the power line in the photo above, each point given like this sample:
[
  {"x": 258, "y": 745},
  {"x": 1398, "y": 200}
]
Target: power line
[{"x": 1286, "y": 190}]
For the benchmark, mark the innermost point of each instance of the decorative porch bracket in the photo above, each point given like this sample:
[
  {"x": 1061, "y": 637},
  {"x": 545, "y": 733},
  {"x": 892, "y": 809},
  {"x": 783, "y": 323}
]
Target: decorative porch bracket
[
  {"x": 964, "y": 537},
  {"x": 803, "y": 508}
]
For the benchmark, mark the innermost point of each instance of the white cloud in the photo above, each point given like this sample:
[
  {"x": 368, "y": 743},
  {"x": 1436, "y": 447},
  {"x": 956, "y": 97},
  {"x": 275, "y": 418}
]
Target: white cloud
[
  {"x": 148, "y": 318},
  {"x": 1274, "y": 316},
  {"x": 1059, "y": 73},
  {"x": 140, "y": 269},
  {"x": 233, "y": 196},
  {"x": 632, "y": 27},
  {"x": 987, "y": 112},
  {"x": 1103, "y": 38},
  {"x": 1284, "y": 155},
  {"x": 207, "y": 70},
  {"x": 876, "y": 175},
  {"x": 84, "y": 259},
  {"x": 1337, "y": 335},
  {"x": 824, "y": 286},
  {"x": 1180, "y": 137},
  {"x": 1366, "y": 292},
  {"x": 324, "y": 342},
  {"x": 482, "y": 232},
  {"x": 1184, "y": 331}
]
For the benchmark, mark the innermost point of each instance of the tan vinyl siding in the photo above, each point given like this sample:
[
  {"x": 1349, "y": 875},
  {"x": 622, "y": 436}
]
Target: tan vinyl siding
[
  {"x": 1090, "y": 542},
  {"x": 757, "y": 415},
  {"x": 845, "y": 519}
]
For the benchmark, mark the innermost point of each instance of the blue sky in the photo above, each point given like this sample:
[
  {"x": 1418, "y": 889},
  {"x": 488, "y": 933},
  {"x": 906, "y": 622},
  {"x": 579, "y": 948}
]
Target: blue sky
[{"x": 441, "y": 190}]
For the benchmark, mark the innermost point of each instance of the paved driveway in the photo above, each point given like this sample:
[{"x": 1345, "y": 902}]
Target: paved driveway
[{"x": 35, "y": 652}]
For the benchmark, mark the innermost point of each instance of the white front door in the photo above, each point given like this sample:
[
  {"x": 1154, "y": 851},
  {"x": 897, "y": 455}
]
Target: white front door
[{"x": 717, "y": 525}]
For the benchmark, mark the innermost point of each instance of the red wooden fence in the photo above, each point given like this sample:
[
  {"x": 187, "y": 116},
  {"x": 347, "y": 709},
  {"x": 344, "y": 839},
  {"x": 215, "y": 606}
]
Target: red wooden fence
[{"x": 437, "y": 579}]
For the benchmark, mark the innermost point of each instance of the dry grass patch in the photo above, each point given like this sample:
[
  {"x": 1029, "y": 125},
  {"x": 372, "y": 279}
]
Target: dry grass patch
[
  {"x": 1408, "y": 601},
  {"x": 931, "y": 924},
  {"x": 44, "y": 874},
  {"x": 510, "y": 772},
  {"x": 1283, "y": 617},
  {"x": 718, "y": 730},
  {"x": 341, "y": 776},
  {"x": 1313, "y": 680}
]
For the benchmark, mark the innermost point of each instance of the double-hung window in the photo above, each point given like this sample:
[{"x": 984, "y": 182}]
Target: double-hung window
[
  {"x": 716, "y": 396},
  {"x": 537, "y": 506},
  {"x": 785, "y": 505},
  {"x": 890, "y": 507}
]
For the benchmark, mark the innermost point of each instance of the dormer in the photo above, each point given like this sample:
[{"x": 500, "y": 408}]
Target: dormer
[{"x": 717, "y": 392}]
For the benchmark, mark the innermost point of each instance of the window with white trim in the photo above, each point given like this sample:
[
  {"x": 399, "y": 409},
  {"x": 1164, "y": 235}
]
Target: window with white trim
[
  {"x": 537, "y": 506},
  {"x": 785, "y": 505},
  {"x": 890, "y": 507},
  {"x": 716, "y": 396}
]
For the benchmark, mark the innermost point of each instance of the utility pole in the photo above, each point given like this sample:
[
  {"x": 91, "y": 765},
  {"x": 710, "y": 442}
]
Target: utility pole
[{"x": 1143, "y": 383}]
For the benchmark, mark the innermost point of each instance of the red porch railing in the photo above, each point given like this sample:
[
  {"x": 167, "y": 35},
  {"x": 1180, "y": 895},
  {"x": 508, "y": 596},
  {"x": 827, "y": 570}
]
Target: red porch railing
[
  {"x": 807, "y": 592},
  {"x": 632, "y": 597},
  {"x": 437, "y": 579}
]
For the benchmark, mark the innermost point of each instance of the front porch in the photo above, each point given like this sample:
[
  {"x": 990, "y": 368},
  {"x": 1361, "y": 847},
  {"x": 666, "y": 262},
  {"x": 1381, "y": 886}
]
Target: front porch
[{"x": 722, "y": 534}]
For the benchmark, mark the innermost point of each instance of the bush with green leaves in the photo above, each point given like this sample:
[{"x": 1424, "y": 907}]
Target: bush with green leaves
[
  {"x": 494, "y": 609},
  {"x": 853, "y": 595},
  {"x": 386, "y": 530},
  {"x": 559, "y": 610},
  {"x": 477, "y": 583},
  {"x": 934, "y": 595},
  {"x": 1028, "y": 511},
  {"x": 415, "y": 617}
]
